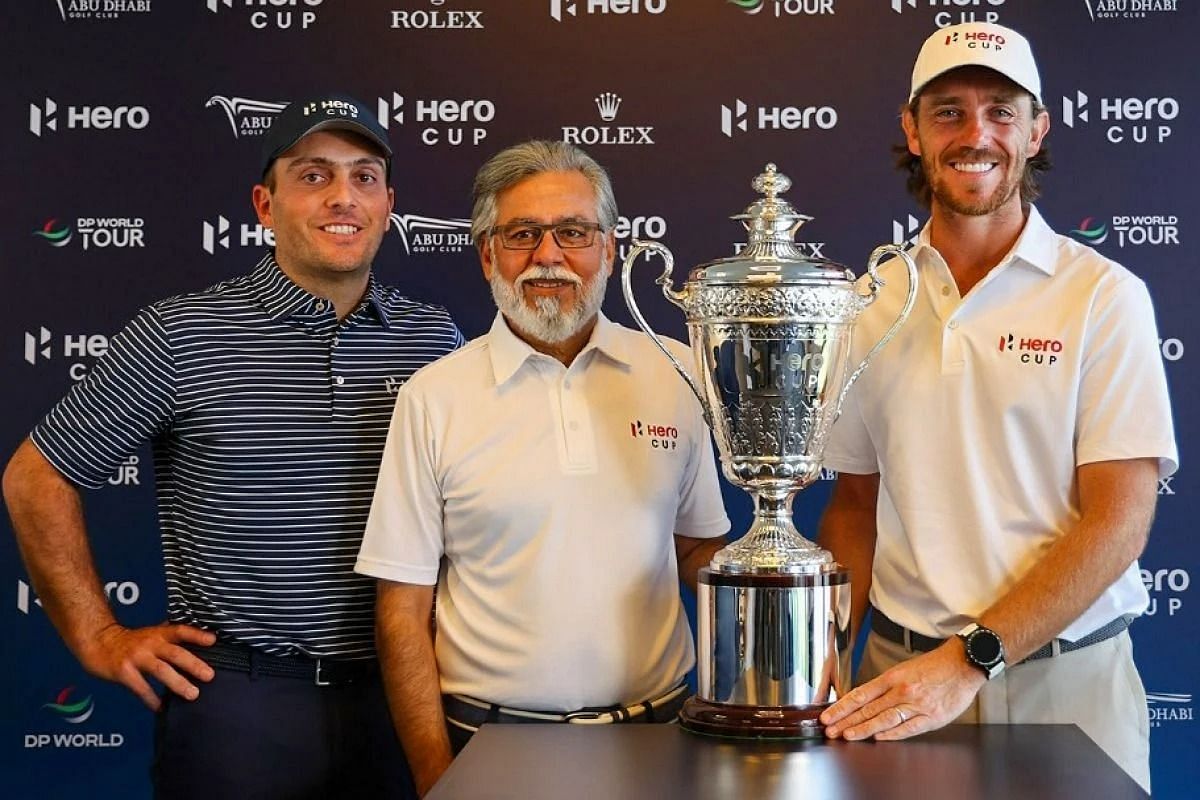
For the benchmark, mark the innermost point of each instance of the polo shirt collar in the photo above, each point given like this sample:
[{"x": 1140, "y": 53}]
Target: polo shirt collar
[
  {"x": 282, "y": 297},
  {"x": 1036, "y": 246},
  {"x": 509, "y": 353}
]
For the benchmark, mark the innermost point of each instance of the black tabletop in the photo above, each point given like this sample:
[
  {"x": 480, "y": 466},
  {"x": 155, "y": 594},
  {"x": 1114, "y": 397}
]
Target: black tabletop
[{"x": 658, "y": 762}]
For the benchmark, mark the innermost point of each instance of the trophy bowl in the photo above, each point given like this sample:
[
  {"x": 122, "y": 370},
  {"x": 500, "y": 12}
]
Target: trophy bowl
[{"x": 771, "y": 333}]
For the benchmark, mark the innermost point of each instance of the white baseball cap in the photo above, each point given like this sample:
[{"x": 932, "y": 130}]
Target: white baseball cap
[{"x": 982, "y": 44}]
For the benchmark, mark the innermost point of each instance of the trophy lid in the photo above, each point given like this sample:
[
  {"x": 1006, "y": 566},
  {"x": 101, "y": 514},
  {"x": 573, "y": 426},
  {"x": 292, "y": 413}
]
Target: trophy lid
[{"x": 771, "y": 255}]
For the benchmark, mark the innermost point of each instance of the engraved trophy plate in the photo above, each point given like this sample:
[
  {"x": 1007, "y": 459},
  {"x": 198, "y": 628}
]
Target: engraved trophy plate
[{"x": 770, "y": 332}]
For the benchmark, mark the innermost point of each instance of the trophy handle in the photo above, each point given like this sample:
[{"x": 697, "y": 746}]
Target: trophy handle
[
  {"x": 876, "y": 283},
  {"x": 676, "y": 297}
]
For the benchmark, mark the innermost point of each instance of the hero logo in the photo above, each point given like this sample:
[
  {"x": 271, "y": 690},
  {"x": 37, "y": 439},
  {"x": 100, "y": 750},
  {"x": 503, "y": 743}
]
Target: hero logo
[
  {"x": 790, "y": 8},
  {"x": 422, "y": 234},
  {"x": 629, "y": 228},
  {"x": 1169, "y": 707},
  {"x": 74, "y": 712},
  {"x": 216, "y": 234},
  {"x": 1171, "y": 584},
  {"x": 101, "y": 9},
  {"x": 282, "y": 17},
  {"x": 1032, "y": 350},
  {"x": 607, "y": 104},
  {"x": 735, "y": 118},
  {"x": 246, "y": 117},
  {"x": 44, "y": 117},
  {"x": 1131, "y": 117},
  {"x": 571, "y": 8},
  {"x": 1128, "y": 9},
  {"x": 444, "y": 118},
  {"x": 39, "y": 346},
  {"x": 943, "y": 18},
  {"x": 437, "y": 19},
  {"x": 124, "y": 593},
  {"x": 662, "y": 437},
  {"x": 1172, "y": 350},
  {"x": 906, "y": 232}
]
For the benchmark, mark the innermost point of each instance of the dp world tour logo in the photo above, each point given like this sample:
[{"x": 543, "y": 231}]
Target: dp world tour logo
[
  {"x": 1091, "y": 231},
  {"x": 422, "y": 234},
  {"x": 55, "y": 237},
  {"x": 246, "y": 117},
  {"x": 73, "y": 712}
]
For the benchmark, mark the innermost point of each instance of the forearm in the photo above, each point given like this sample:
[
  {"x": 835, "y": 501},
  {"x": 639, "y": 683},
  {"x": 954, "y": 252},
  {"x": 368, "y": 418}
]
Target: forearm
[
  {"x": 1118, "y": 506},
  {"x": 47, "y": 518},
  {"x": 848, "y": 530},
  {"x": 410, "y": 677}
]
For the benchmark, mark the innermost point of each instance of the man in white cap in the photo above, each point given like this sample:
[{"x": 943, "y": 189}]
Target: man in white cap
[{"x": 999, "y": 461}]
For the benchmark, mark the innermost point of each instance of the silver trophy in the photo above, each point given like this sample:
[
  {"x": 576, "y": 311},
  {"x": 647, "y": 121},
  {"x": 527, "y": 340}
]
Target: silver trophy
[{"x": 770, "y": 331}]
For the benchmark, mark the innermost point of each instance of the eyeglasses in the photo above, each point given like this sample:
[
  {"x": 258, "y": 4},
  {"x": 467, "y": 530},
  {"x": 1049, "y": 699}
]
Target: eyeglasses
[{"x": 528, "y": 235}]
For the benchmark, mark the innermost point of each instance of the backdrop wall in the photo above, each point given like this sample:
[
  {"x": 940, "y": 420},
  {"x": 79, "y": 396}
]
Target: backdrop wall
[{"x": 131, "y": 136}]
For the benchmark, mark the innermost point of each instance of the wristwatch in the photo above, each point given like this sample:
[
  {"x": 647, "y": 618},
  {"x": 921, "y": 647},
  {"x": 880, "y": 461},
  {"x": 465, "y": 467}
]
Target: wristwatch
[{"x": 984, "y": 649}]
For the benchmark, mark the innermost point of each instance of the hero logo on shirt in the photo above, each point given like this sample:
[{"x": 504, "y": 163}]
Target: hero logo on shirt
[
  {"x": 662, "y": 437},
  {"x": 1031, "y": 349}
]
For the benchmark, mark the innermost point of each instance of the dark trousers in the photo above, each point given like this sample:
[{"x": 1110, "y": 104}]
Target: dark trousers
[{"x": 251, "y": 737}]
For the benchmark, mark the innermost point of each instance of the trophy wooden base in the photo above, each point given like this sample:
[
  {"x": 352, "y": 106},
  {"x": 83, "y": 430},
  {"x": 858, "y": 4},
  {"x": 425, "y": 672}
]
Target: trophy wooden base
[{"x": 752, "y": 722}]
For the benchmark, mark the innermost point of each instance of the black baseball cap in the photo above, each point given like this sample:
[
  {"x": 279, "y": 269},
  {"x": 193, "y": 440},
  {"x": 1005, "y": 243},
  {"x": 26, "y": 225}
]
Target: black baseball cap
[{"x": 324, "y": 112}]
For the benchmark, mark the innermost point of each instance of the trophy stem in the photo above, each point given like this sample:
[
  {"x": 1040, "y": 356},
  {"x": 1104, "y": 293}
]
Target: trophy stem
[{"x": 773, "y": 544}]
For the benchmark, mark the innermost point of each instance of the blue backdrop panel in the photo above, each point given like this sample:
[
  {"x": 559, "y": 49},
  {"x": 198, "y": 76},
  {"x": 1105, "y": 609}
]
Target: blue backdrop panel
[{"x": 132, "y": 132}]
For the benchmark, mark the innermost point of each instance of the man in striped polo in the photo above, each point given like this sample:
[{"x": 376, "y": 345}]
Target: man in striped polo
[{"x": 266, "y": 399}]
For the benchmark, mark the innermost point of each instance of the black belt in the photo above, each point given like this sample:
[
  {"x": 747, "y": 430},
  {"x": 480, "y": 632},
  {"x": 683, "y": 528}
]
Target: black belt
[
  {"x": 894, "y": 632},
  {"x": 469, "y": 713},
  {"x": 321, "y": 671}
]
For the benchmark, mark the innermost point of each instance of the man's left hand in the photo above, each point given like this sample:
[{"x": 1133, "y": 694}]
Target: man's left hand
[{"x": 915, "y": 696}]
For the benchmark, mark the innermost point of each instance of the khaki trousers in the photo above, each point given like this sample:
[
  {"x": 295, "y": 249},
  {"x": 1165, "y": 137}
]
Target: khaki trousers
[{"x": 1097, "y": 688}]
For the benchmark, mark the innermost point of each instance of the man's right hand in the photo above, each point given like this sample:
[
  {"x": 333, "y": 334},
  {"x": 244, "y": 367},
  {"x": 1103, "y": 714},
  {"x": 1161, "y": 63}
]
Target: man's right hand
[{"x": 127, "y": 655}]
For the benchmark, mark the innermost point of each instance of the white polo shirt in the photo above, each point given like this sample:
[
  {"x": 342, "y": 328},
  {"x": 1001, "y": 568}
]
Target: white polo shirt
[
  {"x": 978, "y": 412},
  {"x": 553, "y": 493}
]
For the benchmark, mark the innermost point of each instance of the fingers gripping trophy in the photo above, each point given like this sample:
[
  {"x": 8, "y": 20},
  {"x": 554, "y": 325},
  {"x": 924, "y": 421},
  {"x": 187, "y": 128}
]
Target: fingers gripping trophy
[{"x": 770, "y": 332}]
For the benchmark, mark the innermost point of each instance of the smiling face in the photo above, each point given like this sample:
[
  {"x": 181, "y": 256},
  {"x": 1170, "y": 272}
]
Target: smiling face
[
  {"x": 974, "y": 131},
  {"x": 329, "y": 206},
  {"x": 551, "y": 293}
]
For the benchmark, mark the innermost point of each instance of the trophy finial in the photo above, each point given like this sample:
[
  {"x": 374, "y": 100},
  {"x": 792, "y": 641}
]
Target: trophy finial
[{"x": 772, "y": 182}]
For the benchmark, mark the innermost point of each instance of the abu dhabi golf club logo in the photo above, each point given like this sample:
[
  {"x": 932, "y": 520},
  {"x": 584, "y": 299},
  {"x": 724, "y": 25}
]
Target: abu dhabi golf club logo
[
  {"x": 437, "y": 19},
  {"x": 100, "y": 9},
  {"x": 785, "y": 8},
  {"x": 219, "y": 231},
  {"x": 1126, "y": 120},
  {"x": 1131, "y": 230},
  {"x": 246, "y": 117},
  {"x": 54, "y": 235},
  {"x": 422, "y": 234},
  {"x": 1104, "y": 10},
  {"x": 69, "y": 710},
  {"x": 443, "y": 121},
  {"x": 299, "y": 14},
  {"x": 967, "y": 10},
  {"x": 1169, "y": 707},
  {"x": 560, "y": 10},
  {"x": 608, "y": 104},
  {"x": 741, "y": 117},
  {"x": 44, "y": 117}
]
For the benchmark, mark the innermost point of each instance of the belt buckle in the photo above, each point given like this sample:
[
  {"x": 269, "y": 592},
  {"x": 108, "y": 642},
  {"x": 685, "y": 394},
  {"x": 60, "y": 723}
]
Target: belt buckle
[
  {"x": 318, "y": 680},
  {"x": 589, "y": 718}
]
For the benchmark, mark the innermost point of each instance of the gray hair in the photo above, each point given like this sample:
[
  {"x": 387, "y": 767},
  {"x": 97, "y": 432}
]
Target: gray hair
[{"x": 523, "y": 160}]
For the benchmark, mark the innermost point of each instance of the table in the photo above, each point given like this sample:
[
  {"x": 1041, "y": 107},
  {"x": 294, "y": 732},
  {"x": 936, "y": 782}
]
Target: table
[{"x": 660, "y": 762}]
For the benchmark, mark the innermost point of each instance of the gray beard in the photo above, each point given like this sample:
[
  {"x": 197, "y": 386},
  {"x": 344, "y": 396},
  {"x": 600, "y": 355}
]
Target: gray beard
[{"x": 545, "y": 321}]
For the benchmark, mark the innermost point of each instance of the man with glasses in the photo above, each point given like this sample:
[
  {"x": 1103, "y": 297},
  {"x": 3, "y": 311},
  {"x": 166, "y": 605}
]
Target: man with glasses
[{"x": 552, "y": 479}]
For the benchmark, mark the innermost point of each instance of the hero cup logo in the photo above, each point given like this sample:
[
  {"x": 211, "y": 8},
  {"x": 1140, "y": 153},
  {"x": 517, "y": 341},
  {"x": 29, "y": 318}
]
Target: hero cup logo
[
  {"x": 1131, "y": 119},
  {"x": 1169, "y": 585},
  {"x": 246, "y": 117},
  {"x": 737, "y": 118},
  {"x": 571, "y": 8},
  {"x": 446, "y": 121},
  {"x": 100, "y": 9},
  {"x": 607, "y": 104},
  {"x": 662, "y": 437},
  {"x": 1169, "y": 707},
  {"x": 944, "y": 18},
  {"x": 906, "y": 232},
  {"x": 282, "y": 17},
  {"x": 422, "y": 234},
  {"x": 790, "y": 8},
  {"x": 1128, "y": 9},
  {"x": 43, "y": 118},
  {"x": 218, "y": 233},
  {"x": 1032, "y": 350}
]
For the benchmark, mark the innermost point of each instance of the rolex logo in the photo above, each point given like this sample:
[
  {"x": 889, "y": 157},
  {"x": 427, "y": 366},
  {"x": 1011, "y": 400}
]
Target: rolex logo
[{"x": 608, "y": 103}]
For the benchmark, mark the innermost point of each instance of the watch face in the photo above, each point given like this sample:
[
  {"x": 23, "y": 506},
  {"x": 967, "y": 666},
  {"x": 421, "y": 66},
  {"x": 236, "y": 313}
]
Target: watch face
[{"x": 985, "y": 646}]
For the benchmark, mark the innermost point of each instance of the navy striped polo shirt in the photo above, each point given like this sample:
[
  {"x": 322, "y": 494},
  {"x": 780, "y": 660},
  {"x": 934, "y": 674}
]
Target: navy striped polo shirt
[{"x": 267, "y": 417}]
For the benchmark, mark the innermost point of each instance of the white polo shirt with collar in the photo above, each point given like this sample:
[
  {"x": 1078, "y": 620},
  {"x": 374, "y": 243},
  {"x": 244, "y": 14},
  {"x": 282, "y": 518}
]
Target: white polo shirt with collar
[
  {"x": 977, "y": 414},
  {"x": 548, "y": 496}
]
